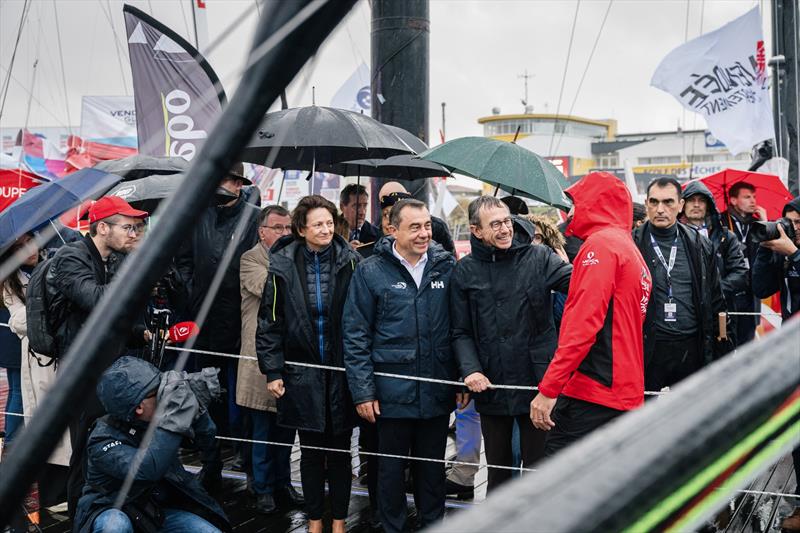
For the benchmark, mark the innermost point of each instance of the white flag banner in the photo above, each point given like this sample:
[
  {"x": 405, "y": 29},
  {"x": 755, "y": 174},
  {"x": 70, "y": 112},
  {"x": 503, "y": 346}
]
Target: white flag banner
[
  {"x": 722, "y": 75},
  {"x": 355, "y": 94},
  {"x": 109, "y": 120}
]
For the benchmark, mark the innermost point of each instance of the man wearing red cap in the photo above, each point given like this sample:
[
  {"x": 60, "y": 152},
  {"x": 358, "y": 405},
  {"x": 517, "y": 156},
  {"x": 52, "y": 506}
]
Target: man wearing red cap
[{"x": 76, "y": 280}]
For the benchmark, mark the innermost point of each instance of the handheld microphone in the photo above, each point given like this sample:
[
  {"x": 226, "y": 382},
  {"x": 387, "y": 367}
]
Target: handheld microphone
[{"x": 183, "y": 331}]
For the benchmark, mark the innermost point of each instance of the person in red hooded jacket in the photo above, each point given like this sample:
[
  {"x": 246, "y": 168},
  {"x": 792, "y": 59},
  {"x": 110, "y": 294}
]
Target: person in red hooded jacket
[{"x": 597, "y": 372}]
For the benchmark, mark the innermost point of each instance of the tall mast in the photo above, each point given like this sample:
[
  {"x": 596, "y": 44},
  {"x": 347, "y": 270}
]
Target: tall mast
[{"x": 785, "y": 37}]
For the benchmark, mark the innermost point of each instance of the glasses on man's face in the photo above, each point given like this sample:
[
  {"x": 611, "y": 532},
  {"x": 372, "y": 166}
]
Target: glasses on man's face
[
  {"x": 136, "y": 229},
  {"x": 279, "y": 228},
  {"x": 318, "y": 226},
  {"x": 497, "y": 224}
]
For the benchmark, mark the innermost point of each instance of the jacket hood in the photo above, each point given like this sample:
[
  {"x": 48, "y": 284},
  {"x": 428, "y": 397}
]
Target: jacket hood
[
  {"x": 600, "y": 200},
  {"x": 523, "y": 237},
  {"x": 698, "y": 187},
  {"x": 794, "y": 205},
  {"x": 713, "y": 216},
  {"x": 125, "y": 384}
]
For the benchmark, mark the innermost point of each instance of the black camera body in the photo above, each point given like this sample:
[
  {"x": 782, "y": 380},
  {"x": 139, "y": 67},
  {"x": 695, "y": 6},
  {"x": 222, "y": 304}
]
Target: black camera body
[{"x": 768, "y": 231}]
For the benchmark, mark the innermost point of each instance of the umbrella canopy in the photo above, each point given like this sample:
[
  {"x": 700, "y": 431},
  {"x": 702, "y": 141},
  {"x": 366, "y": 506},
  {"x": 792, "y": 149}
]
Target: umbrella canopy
[
  {"x": 399, "y": 167},
  {"x": 414, "y": 142},
  {"x": 147, "y": 193},
  {"x": 771, "y": 193},
  {"x": 510, "y": 167},
  {"x": 140, "y": 166},
  {"x": 304, "y": 137},
  {"x": 49, "y": 200}
]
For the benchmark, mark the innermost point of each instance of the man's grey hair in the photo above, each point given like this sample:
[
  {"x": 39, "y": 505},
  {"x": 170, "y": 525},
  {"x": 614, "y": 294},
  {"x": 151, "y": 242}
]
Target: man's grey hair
[
  {"x": 394, "y": 214},
  {"x": 482, "y": 202}
]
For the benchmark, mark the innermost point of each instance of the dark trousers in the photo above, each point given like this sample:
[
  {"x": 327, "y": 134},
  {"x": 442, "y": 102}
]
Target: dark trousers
[
  {"x": 227, "y": 416},
  {"x": 673, "y": 360},
  {"x": 574, "y": 419},
  {"x": 271, "y": 463},
  {"x": 497, "y": 440},
  {"x": 368, "y": 442},
  {"x": 316, "y": 465},
  {"x": 419, "y": 438},
  {"x": 79, "y": 428}
]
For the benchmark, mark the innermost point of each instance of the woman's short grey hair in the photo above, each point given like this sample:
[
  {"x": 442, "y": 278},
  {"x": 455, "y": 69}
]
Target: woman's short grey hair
[{"x": 482, "y": 202}]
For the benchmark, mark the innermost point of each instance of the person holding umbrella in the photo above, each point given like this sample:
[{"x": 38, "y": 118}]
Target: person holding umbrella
[{"x": 299, "y": 321}]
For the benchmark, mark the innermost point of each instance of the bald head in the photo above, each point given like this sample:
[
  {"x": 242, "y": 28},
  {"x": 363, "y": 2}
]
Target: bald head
[{"x": 389, "y": 187}]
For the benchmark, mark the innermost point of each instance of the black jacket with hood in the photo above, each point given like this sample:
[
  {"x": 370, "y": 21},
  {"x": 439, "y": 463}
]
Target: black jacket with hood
[
  {"x": 773, "y": 272},
  {"x": 160, "y": 481},
  {"x": 286, "y": 332},
  {"x": 706, "y": 292},
  {"x": 76, "y": 279},
  {"x": 198, "y": 260},
  {"x": 501, "y": 315},
  {"x": 734, "y": 276}
]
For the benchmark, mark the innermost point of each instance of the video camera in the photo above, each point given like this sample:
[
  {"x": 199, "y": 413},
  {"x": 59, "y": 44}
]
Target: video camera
[{"x": 768, "y": 231}]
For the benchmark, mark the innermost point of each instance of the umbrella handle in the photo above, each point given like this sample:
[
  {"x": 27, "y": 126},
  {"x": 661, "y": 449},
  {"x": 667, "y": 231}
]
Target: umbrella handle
[{"x": 496, "y": 189}]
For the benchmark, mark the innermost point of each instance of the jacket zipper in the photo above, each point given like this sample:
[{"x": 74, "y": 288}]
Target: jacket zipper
[{"x": 319, "y": 307}]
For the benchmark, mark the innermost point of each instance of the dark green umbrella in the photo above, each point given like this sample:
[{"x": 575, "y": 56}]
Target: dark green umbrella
[{"x": 512, "y": 168}]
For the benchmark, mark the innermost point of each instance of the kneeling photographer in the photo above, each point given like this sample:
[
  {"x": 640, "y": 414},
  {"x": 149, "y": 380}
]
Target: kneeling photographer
[
  {"x": 777, "y": 264},
  {"x": 147, "y": 490}
]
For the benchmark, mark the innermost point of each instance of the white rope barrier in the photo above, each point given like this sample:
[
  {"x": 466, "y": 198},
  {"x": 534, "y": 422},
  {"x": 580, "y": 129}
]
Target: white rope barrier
[
  {"x": 354, "y": 452},
  {"x": 381, "y": 374}
]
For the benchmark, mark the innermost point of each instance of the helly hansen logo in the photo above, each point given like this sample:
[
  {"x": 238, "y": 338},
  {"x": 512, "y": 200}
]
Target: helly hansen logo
[
  {"x": 437, "y": 284},
  {"x": 399, "y": 285},
  {"x": 590, "y": 260}
]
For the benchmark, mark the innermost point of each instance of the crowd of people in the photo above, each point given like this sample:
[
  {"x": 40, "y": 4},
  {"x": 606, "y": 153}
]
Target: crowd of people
[{"x": 620, "y": 299}]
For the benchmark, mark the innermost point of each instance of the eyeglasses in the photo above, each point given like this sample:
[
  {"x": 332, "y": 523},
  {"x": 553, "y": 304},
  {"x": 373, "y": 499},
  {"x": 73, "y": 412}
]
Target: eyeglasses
[
  {"x": 130, "y": 228},
  {"x": 279, "y": 228},
  {"x": 497, "y": 224},
  {"x": 319, "y": 225}
]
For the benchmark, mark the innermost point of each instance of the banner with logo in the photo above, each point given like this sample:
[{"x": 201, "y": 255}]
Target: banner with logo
[
  {"x": 109, "y": 120},
  {"x": 355, "y": 94},
  {"x": 722, "y": 75},
  {"x": 178, "y": 96},
  {"x": 13, "y": 184}
]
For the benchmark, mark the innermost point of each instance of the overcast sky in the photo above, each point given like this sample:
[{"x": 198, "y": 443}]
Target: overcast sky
[{"x": 478, "y": 50}]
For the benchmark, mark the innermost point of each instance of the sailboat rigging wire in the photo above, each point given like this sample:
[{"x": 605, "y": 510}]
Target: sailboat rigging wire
[
  {"x": 564, "y": 77},
  {"x": 694, "y": 115},
  {"x": 25, "y": 9},
  {"x": 586, "y": 69},
  {"x": 29, "y": 92},
  {"x": 63, "y": 74},
  {"x": 110, "y": 19}
]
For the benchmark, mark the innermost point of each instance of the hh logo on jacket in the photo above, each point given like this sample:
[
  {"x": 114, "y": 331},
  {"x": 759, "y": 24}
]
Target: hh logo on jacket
[{"x": 437, "y": 284}]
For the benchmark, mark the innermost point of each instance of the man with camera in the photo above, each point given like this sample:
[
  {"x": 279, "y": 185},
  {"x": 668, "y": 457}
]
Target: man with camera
[
  {"x": 124, "y": 464},
  {"x": 777, "y": 268},
  {"x": 777, "y": 264}
]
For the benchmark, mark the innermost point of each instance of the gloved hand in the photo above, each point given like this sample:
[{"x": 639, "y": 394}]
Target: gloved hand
[{"x": 177, "y": 405}]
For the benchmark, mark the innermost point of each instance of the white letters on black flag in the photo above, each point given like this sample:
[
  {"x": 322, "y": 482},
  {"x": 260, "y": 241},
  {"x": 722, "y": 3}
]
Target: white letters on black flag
[
  {"x": 178, "y": 96},
  {"x": 722, "y": 75}
]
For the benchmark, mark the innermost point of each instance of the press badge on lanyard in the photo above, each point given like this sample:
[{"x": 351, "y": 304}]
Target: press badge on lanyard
[{"x": 670, "y": 307}]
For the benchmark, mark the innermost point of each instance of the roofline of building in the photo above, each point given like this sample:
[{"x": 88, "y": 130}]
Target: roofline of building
[
  {"x": 646, "y": 134},
  {"x": 546, "y": 116}
]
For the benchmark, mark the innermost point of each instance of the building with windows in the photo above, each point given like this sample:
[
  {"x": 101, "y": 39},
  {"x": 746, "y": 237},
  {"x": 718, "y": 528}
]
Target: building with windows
[{"x": 578, "y": 145}]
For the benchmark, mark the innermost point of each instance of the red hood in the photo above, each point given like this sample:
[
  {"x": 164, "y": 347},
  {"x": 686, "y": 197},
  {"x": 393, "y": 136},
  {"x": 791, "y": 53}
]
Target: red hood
[{"x": 601, "y": 200}]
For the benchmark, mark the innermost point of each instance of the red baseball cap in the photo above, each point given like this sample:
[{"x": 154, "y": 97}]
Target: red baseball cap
[{"x": 113, "y": 205}]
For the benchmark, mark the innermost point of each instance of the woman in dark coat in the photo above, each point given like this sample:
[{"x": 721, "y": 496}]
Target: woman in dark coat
[{"x": 300, "y": 321}]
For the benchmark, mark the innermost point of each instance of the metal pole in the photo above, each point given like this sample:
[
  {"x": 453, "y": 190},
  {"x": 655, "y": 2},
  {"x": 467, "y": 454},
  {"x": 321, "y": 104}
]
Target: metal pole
[
  {"x": 400, "y": 76},
  {"x": 785, "y": 39},
  {"x": 98, "y": 341}
]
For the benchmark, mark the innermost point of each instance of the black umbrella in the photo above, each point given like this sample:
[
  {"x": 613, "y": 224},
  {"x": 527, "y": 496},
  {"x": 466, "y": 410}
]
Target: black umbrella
[
  {"x": 304, "y": 137},
  {"x": 141, "y": 166},
  {"x": 416, "y": 144},
  {"x": 399, "y": 167},
  {"x": 147, "y": 193}
]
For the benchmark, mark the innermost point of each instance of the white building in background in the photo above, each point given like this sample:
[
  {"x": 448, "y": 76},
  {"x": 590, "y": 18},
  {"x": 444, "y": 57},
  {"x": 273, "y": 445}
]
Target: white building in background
[{"x": 578, "y": 145}]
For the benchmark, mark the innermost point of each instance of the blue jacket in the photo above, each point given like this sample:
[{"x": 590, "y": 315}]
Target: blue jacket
[
  {"x": 391, "y": 326},
  {"x": 114, "y": 442}
]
